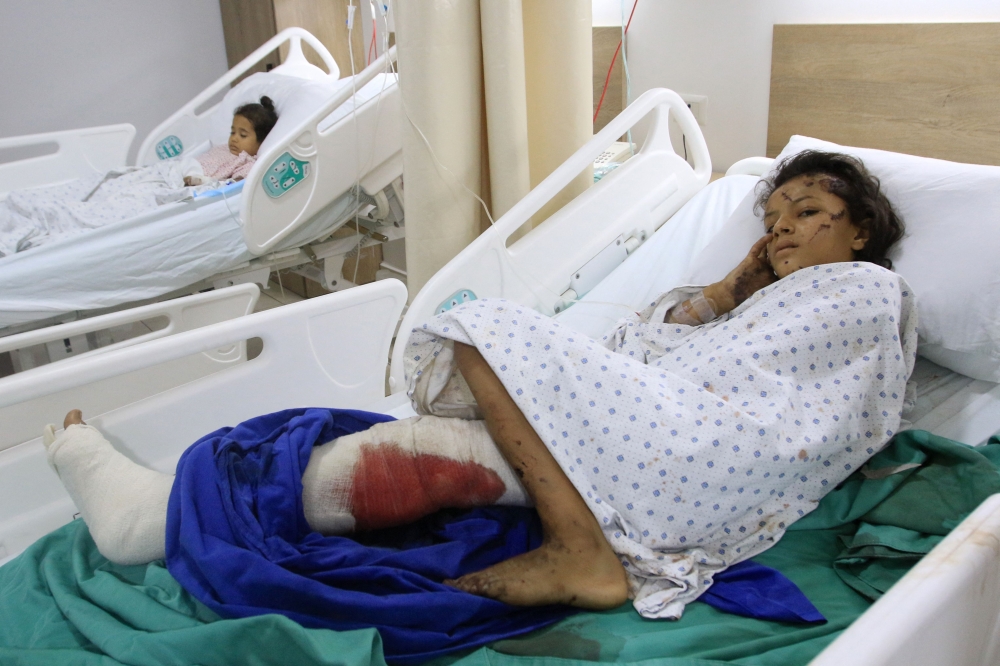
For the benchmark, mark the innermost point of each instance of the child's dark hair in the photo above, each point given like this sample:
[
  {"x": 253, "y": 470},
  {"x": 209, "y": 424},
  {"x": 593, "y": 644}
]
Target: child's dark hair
[
  {"x": 868, "y": 207},
  {"x": 262, "y": 116}
]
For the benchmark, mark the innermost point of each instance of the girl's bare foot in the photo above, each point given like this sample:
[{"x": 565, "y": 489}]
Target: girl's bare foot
[
  {"x": 74, "y": 417},
  {"x": 580, "y": 571}
]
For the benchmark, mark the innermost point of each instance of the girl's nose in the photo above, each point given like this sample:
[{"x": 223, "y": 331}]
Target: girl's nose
[{"x": 782, "y": 226}]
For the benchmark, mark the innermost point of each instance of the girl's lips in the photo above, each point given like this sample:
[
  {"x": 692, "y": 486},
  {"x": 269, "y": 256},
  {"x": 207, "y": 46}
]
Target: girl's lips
[{"x": 782, "y": 246}]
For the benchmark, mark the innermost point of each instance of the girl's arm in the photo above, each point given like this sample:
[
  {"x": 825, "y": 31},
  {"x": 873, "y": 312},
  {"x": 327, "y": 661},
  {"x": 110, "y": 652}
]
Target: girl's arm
[{"x": 715, "y": 300}]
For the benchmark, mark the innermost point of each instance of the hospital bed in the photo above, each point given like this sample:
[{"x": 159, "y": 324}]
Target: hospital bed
[
  {"x": 648, "y": 218},
  {"x": 334, "y": 155}
]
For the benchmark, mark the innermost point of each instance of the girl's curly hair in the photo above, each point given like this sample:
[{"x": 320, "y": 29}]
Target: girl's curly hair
[{"x": 867, "y": 205}]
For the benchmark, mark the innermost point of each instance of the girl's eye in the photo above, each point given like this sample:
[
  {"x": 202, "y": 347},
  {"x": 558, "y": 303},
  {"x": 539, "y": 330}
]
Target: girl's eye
[{"x": 808, "y": 212}]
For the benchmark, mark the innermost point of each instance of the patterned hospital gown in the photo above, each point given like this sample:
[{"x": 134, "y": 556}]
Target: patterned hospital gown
[{"x": 695, "y": 447}]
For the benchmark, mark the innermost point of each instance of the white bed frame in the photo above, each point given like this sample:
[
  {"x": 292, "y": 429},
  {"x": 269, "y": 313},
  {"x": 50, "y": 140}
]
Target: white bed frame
[
  {"x": 19, "y": 422},
  {"x": 72, "y": 154},
  {"x": 332, "y": 351},
  {"x": 84, "y": 152},
  {"x": 266, "y": 221},
  {"x": 575, "y": 248},
  {"x": 191, "y": 123}
]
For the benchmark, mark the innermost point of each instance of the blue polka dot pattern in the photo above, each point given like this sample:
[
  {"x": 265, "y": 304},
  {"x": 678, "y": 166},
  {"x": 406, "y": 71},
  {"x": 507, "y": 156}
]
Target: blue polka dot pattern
[{"x": 695, "y": 447}]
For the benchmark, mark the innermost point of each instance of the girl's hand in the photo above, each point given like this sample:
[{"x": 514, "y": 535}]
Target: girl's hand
[{"x": 753, "y": 273}]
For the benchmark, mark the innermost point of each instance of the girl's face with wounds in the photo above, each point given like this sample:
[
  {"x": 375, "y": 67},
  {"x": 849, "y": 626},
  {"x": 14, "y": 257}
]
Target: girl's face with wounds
[{"x": 809, "y": 225}]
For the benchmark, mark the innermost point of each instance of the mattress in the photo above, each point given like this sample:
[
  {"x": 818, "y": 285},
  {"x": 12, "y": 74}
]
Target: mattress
[{"x": 137, "y": 259}]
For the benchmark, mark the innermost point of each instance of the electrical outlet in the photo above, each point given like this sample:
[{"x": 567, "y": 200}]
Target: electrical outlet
[{"x": 698, "y": 105}]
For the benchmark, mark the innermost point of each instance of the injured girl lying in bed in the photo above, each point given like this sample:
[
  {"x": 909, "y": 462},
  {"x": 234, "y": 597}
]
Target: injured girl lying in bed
[
  {"x": 39, "y": 215},
  {"x": 685, "y": 441}
]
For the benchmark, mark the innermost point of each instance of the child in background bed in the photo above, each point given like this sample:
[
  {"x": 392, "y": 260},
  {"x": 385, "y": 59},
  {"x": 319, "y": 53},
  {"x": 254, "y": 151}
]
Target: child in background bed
[
  {"x": 35, "y": 216},
  {"x": 251, "y": 125}
]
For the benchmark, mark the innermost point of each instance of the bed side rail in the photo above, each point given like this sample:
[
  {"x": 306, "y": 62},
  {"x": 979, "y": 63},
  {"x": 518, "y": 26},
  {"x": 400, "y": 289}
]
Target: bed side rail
[
  {"x": 189, "y": 126},
  {"x": 594, "y": 231},
  {"x": 297, "y": 178},
  {"x": 325, "y": 351},
  {"x": 19, "y": 422},
  {"x": 63, "y": 155},
  {"x": 946, "y": 610}
]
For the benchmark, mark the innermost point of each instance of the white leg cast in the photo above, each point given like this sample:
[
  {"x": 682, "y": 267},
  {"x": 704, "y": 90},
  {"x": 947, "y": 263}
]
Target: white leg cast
[{"x": 123, "y": 503}]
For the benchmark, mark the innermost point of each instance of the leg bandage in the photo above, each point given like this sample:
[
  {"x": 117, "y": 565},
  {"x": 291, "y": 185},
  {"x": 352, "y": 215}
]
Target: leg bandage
[
  {"x": 397, "y": 472},
  {"x": 390, "y": 474},
  {"x": 124, "y": 504}
]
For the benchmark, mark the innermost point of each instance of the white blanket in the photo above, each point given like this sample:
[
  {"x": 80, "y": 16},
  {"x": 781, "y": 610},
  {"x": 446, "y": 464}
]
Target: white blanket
[
  {"x": 39, "y": 215},
  {"x": 695, "y": 447}
]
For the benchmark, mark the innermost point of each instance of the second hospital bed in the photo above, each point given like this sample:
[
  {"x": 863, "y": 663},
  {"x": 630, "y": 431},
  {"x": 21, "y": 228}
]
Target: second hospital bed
[
  {"x": 336, "y": 149},
  {"x": 654, "y": 212}
]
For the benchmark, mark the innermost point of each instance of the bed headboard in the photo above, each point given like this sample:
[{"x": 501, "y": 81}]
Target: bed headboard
[{"x": 929, "y": 89}]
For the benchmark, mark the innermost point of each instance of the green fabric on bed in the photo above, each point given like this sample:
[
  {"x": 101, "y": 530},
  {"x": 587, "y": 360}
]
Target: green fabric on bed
[
  {"x": 64, "y": 603},
  {"x": 904, "y": 502},
  {"x": 862, "y": 538},
  {"x": 705, "y": 635}
]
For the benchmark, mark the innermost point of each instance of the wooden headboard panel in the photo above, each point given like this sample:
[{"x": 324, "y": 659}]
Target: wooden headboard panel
[{"x": 930, "y": 89}]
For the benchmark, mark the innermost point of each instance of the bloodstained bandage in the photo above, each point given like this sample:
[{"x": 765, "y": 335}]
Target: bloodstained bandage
[{"x": 392, "y": 487}]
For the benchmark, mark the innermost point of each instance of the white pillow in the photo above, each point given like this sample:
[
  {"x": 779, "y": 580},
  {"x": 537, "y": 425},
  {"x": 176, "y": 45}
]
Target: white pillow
[
  {"x": 949, "y": 253},
  {"x": 294, "y": 98}
]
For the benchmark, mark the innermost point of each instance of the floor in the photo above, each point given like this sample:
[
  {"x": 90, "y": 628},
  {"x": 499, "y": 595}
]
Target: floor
[{"x": 275, "y": 296}]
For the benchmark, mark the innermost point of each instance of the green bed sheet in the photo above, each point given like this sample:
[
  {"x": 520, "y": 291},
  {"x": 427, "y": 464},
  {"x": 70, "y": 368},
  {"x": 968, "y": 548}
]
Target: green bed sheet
[{"x": 61, "y": 602}]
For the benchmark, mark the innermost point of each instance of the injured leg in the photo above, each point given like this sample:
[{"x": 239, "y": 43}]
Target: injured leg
[
  {"x": 124, "y": 504},
  {"x": 397, "y": 472},
  {"x": 574, "y": 565},
  {"x": 391, "y": 474}
]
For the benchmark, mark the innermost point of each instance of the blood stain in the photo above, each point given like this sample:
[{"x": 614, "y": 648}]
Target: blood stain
[{"x": 393, "y": 487}]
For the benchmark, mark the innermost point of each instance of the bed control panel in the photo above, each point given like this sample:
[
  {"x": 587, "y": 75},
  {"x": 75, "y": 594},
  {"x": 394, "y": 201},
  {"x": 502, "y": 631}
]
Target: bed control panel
[
  {"x": 284, "y": 173},
  {"x": 169, "y": 147}
]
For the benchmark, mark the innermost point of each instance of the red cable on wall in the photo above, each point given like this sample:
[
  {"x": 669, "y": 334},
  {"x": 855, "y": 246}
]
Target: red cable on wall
[{"x": 613, "y": 59}]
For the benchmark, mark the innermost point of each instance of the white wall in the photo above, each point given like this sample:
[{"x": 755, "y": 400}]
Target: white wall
[
  {"x": 608, "y": 12},
  {"x": 78, "y": 63},
  {"x": 722, "y": 49}
]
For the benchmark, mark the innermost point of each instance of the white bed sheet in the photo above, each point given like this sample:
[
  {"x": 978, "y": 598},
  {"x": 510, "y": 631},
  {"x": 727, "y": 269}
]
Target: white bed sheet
[{"x": 137, "y": 259}]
